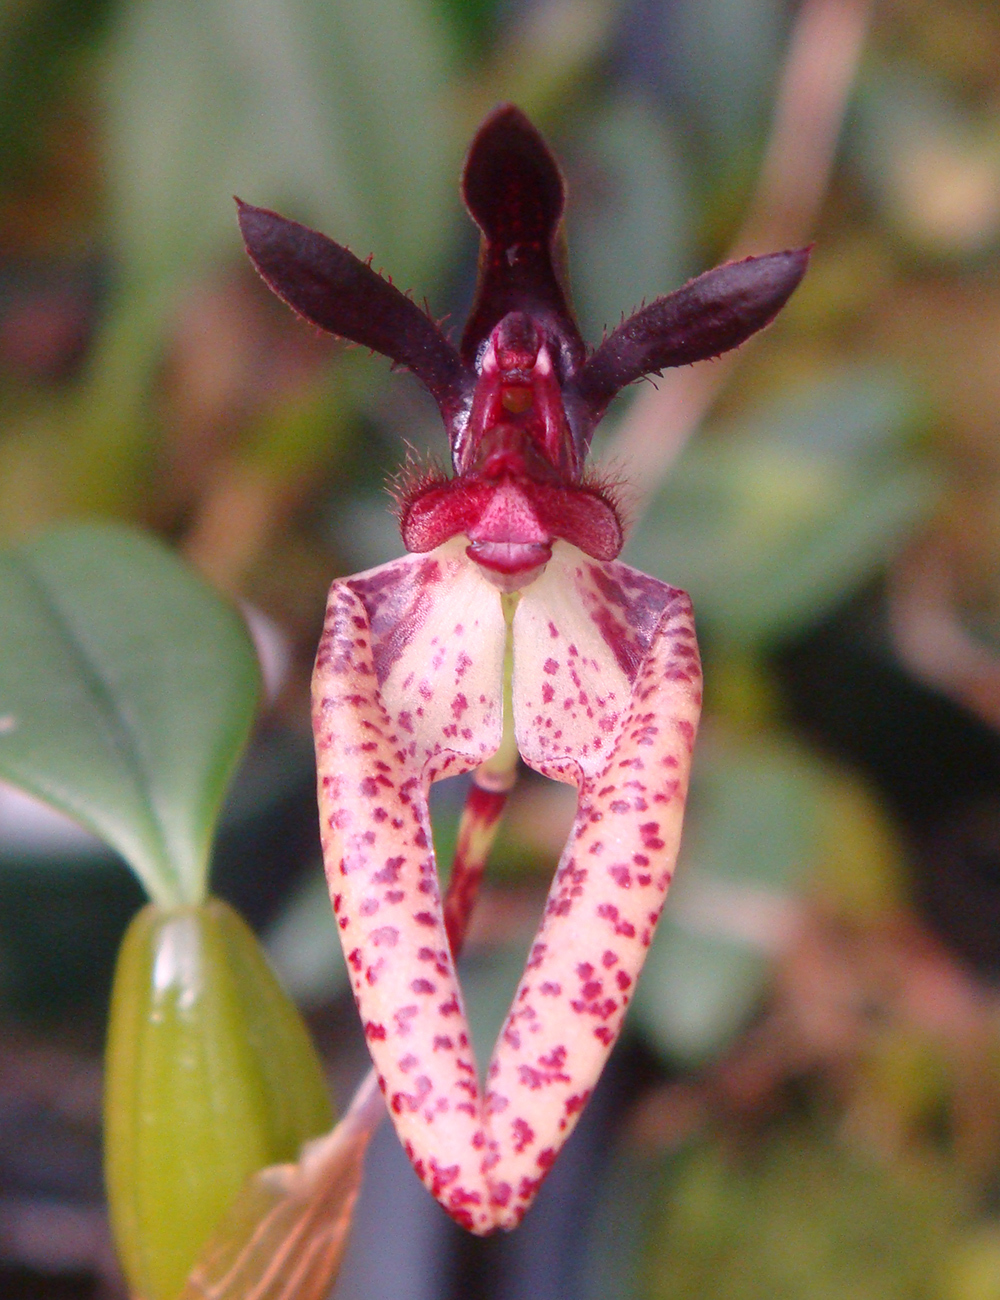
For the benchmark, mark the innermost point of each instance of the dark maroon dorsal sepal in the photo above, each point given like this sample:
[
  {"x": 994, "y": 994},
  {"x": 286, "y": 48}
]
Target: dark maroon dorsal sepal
[{"x": 514, "y": 191}]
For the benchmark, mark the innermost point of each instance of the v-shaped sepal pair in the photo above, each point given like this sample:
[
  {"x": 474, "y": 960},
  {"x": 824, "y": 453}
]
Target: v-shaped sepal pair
[{"x": 408, "y": 688}]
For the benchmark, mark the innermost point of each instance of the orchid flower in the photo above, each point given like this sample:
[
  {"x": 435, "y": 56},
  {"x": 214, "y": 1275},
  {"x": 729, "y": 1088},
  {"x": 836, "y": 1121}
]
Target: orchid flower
[{"x": 511, "y": 561}]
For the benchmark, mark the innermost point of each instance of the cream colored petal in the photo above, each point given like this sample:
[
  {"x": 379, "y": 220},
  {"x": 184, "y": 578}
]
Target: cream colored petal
[
  {"x": 608, "y": 656},
  {"x": 407, "y": 687}
]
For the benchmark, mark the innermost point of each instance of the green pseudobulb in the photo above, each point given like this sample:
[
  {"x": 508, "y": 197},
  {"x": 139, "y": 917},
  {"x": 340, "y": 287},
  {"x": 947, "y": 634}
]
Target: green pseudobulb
[{"x": 211, "y": 1075}]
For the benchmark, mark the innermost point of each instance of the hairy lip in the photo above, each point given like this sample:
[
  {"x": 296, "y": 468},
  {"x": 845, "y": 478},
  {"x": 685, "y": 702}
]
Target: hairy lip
[{"x": 517, "y": 510}]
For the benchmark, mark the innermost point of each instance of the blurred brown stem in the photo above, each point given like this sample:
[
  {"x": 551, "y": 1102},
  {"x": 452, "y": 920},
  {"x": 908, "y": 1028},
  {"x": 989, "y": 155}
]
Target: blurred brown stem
[
  {"x": 819, "y": 70},
  {"x": 931, "y": 639}
]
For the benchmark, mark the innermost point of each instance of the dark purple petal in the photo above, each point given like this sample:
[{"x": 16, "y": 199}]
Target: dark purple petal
[
  {"x": 514, "y": 190},
  {"x": 709, "y": 315},
  {"x": 335, "y": 290}
]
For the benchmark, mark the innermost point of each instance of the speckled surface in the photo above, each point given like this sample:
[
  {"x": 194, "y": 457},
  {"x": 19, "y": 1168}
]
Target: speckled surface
[{"x": 408, "y": 688}]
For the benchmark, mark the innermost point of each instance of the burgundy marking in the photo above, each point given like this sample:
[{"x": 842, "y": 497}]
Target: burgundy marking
[
  {"x": 523, "y": 1134},
  {"x": 621, "y": 695}
]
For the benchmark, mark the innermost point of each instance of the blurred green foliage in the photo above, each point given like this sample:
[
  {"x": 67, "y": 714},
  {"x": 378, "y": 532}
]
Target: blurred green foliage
[
  {"x": 769, "y": 522},
  {"x": 42, "y": 47},
  {"x": 754, "y": 837},
  {"x": 128, "y": 690},
  {"x": 171, "y": 392},
  {"x": 806, "y": 1216}
]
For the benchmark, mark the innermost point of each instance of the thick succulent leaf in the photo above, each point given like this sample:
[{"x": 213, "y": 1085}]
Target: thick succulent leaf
[
  {"x": 285, "y": 1234},
  {"x": 127, "y": 689},
  {"x": 513, "y": 189},
  {"x": 335, "y": 290},
  {"x": 408, "y": 688},
  {"x": 709, "y": 315}
]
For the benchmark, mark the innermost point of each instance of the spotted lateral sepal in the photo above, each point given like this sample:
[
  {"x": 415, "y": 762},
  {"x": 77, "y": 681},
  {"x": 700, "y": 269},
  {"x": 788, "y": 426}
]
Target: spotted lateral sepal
[{"x": 407, "y": 689}]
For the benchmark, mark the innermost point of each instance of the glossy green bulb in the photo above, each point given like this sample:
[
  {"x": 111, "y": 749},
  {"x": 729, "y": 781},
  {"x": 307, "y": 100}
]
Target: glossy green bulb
[{"x": 211, "y": 1075}]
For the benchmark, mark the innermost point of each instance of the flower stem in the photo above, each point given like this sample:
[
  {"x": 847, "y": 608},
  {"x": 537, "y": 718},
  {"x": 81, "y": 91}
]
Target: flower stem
[{"x": 492, "y": 782}]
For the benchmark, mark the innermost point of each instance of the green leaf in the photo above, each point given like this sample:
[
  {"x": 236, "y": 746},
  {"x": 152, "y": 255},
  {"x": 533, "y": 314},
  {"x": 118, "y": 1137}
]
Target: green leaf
[
  {"x": 327, "y": 109},
  {"x": 210, "y": 1076},
  {"x": 127, "y": 690},
  {"x": 630, "y": 221},
  {"x": 772, "y": 523}
]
